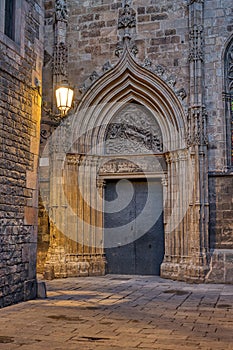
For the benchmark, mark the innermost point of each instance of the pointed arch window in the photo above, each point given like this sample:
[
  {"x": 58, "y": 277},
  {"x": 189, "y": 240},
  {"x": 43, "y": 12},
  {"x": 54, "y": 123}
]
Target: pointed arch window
[{"x": 229, "y": 101}]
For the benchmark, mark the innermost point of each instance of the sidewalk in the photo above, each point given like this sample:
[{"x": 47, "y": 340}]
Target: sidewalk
[{"x": 121, "y": 312}]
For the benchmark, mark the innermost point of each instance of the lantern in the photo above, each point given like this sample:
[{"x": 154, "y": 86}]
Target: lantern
[{"x": 64, "y": 98}]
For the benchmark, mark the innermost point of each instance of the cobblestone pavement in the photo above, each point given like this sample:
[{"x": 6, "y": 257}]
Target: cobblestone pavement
[{"x": 121, "y": 312}]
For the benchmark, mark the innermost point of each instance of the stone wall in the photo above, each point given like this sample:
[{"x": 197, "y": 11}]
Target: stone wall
[
  {"x": 161, "y": 35},
  {"x": 218, "y": 33},
  {"x": 221, "y": 228},
  {"x": 20, "y": 75},
  {"x": 221, "y": 212}
]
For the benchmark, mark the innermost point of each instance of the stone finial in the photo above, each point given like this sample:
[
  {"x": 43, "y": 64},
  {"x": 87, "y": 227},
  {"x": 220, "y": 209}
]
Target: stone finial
[
  {"x": 127, "y": 19},
  {"x": 61, "y": 13}
]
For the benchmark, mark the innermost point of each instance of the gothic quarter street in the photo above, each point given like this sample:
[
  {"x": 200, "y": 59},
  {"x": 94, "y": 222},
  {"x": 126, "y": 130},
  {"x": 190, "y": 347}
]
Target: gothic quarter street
[{"x": 121, "y": 312}]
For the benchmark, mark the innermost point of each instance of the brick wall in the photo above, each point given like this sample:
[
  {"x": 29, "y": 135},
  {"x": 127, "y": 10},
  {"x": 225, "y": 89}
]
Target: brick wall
[{"x": 20, "y": 72}]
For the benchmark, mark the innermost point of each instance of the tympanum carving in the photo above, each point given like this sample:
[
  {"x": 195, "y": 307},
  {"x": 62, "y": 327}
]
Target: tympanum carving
[{"x": 133, "y": 130}]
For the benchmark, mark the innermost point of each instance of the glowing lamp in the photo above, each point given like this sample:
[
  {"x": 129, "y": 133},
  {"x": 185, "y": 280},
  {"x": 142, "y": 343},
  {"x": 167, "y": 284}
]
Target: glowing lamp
[{"x": 64, "y": 98}]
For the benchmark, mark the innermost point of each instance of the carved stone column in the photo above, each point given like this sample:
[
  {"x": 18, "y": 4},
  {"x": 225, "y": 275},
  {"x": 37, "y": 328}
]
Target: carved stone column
[
  {"x": 60, "y": 54},
  {"x": 90, "y": 218},
  {"x": 197, "y": 140},
  {"x": 100, "y": 185},
  {"x": 183, "y": 243},
  {"x": 55, "y": 262}
]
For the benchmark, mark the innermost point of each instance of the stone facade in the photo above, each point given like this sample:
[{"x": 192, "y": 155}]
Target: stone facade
[
  {"x": 174, "y": 58},
  {"x": 20, "y": 75}
]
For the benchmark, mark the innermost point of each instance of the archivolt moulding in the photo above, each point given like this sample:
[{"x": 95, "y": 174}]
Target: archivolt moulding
[{"x": 128, "y": 82}]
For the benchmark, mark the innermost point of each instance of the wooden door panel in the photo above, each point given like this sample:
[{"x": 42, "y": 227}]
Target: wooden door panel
[{"x": 143, "y": 212}]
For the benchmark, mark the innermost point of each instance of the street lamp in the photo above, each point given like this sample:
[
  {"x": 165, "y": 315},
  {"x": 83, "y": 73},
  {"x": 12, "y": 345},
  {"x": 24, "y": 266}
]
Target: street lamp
[{"x": 64, "y": 98}]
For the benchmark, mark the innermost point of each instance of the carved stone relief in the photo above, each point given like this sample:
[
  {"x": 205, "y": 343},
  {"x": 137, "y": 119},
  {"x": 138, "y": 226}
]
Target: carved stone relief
[
  {"x": 197, "y": 133},
  {"x": 127, "y": 28},
  {"x": 60, "y": 58},
  {"x": 133, "y": 130},
  {"x": 166, "y": 76},
  {"x": 127, "y": 18},
  {"x": 134, "y": 165},
  {"x": 61, "y": 13},
  {"x": 60, "y": 54}
]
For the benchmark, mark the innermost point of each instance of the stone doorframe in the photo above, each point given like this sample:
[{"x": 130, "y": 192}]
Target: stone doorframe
[{"x": 76, "y": 227}]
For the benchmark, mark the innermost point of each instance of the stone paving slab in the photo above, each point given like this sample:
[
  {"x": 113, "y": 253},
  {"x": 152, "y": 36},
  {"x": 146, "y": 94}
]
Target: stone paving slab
[{"x": 121, "y": 312}]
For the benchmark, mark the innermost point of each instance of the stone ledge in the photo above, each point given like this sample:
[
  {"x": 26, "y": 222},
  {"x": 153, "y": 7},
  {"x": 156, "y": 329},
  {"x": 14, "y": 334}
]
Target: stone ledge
[{"x": 187, "y": 272}]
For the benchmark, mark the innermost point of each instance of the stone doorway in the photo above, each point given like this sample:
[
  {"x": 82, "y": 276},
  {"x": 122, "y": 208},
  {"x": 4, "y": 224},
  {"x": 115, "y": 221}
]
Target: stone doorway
[
  {"x": 134, "y": 214},
  {"x": 130, "y": 124}
]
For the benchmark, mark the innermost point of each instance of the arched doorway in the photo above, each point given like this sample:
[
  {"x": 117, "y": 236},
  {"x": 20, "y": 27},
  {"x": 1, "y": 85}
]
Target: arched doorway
[
  {"x": 133, "y": 198},
  {"x": 108, "y": 140}
]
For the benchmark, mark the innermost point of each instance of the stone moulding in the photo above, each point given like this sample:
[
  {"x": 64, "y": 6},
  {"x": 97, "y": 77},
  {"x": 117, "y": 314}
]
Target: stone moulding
[
  {"x": 147, "y": 164},
  {"x": 158, "y": 70},
  {"x": 129, "y": 81}
]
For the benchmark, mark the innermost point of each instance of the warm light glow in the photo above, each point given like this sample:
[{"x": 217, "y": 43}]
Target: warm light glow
[{"x": 64, "y": 97}]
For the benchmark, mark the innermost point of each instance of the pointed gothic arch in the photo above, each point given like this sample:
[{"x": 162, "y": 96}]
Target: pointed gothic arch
[{"x": 128, "y": 81}]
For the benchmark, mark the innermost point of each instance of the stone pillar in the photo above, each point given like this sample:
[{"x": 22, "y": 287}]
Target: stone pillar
[
  {"x": 184, "y": 244},
  {"x": 76, "y": 229},
  {"x": 55, "y": 261},
  {"x": 197, "y": 140}
]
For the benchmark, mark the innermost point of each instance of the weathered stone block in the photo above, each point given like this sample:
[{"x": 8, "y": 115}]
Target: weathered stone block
[
  {"x": 30, "y": 289},
  {"x": 41, "y": 290}
]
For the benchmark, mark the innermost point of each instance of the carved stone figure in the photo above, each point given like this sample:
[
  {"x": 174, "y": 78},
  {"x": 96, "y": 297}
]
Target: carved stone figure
[
  {"x": 181, "y": 93},
  {"x": 119, "y": 50}
]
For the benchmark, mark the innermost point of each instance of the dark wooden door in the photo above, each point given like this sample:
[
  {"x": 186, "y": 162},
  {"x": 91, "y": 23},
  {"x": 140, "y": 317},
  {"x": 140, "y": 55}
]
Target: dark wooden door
[{"x": 133, "y": 233}]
